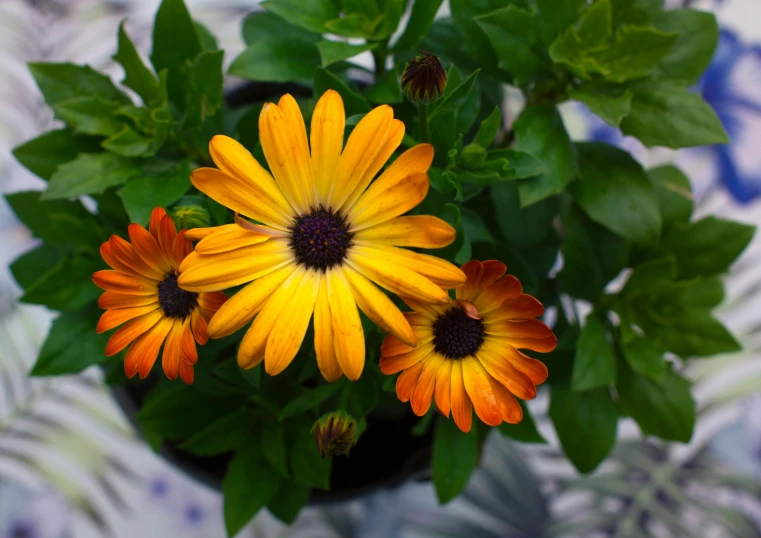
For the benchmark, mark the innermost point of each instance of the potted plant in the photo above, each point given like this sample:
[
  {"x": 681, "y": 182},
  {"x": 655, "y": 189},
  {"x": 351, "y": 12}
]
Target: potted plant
[{"x": 284, "y": 250}]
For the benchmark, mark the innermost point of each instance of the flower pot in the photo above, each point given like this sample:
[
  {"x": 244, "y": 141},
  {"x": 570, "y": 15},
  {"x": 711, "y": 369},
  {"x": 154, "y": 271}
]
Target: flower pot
[{"x": 387, "y": 454}]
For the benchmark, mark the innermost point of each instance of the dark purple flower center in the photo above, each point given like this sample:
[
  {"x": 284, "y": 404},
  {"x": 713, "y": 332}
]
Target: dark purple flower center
[
  {"x": 455, "y": 335},
  {"x": 174, "y": 301},
  {"x": 320, "y": 239}
]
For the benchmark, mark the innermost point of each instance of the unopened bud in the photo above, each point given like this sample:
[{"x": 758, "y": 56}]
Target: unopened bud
[
  {"x": 334, "y": 434},
  {"x": 190, "y": 216},
  {"x": 473, "y": 157},
  {"x": 424, "y": 79}
]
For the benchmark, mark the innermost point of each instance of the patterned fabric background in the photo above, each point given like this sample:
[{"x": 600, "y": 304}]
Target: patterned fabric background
[{"x": 72, "y": 466}]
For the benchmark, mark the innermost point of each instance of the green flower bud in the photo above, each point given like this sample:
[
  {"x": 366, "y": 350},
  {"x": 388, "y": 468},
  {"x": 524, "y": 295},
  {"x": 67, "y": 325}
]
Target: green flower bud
[
  {"x": 473, "y": 157},
  {"x": 190, "y": 216},
  {"x": 424, "y": 79},
  {"x": 335, "y": 433}
]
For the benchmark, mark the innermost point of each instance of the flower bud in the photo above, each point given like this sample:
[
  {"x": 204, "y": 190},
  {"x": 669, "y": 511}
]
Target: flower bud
[
  {"x": 190, "y": 216},
  {"x": 424, "y": 79},
  {"x": 335, "y": 433},
  {"x": 473, "y": 157}
]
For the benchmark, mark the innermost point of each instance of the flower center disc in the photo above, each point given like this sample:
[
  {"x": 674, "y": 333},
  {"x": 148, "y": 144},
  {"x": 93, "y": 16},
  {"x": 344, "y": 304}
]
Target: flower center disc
[
  {"x": 174, "y": 301},
  {"x": 320, "y": 239},
  {"x": 455, "y": 335}
]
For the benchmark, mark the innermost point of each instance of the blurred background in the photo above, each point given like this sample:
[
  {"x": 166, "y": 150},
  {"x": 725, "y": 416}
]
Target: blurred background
[{"x": 72, "y": 466}]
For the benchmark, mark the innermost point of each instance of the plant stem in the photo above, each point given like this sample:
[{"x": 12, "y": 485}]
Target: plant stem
[
  {"x": 423, "y": 118},
  {"x": 379, "y": 58}
]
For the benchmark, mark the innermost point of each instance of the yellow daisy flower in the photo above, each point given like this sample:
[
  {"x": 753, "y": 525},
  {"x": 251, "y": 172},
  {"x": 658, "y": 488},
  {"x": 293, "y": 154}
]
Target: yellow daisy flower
[
  {"x": 467, "y": 355},
  {"x": 325, "y": 232}
]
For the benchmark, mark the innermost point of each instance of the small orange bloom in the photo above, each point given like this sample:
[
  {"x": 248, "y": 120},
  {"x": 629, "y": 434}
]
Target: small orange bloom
[
  {"x": 143, "y": 295},
  {"x": 467, "y": 355}
]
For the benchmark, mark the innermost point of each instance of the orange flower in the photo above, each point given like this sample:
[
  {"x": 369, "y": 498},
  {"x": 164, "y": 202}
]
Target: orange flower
[
  {"x": 467, "y": 355},
  {"x": 142, "y": 293}
]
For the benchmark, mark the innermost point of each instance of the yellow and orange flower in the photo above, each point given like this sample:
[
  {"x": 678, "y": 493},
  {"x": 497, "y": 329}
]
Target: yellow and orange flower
[
  {"x": 327, "y": 234},
  {"x": 142, "y": 293},
  {"x": 467, "y": 355}
]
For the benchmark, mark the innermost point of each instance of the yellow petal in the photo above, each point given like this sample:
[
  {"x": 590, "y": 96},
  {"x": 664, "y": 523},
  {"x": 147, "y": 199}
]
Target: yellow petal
[
  {"x": 196, "y": 234},
  {"x": 392, "y": 140},
  {"x": 379, "y": 308},
  {"x": 221, "y": 271},
  {"x": 359, "y": 155},
  {"x": 242, "y": 196},
  {"x": 327, "y": 138},
  {"x": 347, "y": 327},
  {"x": 244, "y": 305},
  {"x": 287, "y": 158},
  {"x": 288, "y": 332},
  {"x": 229, "y": 239},
  {"x": 385, "y": 205},
  {"x": 252, "y": 347},
  {"x": 438, "y": 271},
  {"x": 421, "y": 231},
  {"x": 324, "y": 339},
  {"x": 395, "y": 278}
]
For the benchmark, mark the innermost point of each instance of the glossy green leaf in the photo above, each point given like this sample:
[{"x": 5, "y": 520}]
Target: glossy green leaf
[
  {"x": 455, "y": 455},
  {"x": 306, "y": 465},
  {"x": 455, "y": 98},
  {"x": 308, "y": 14},
  {"x": 44, "y": 219},
  {"x": 557, "y": 16},
  {"x": 223, "y": 435},
  {"x": 61, "y": 81},
  {"x": 141, "y": 194},
  {"x": 523, "y": 227},
  {"x": 136, "y": 75},
  {"x": 697, "y": 36},
  {"x": 76, "y": 272},
  {"x": 277, "y": 60},
  {"x": 309, "y": 399},
  {"x": 130, "y": 143},
  {"x": 272, "y": 437},
  {"x": 354, "y": 103},
  {"x": 540, "y": 132},
  {"x": 288, "y": 501},
  {"x": 611, "y": 104},
  {"x": 336, "y": 51},
  {"x": 595, "y": 362},
  {"x": 89, "y": 115},
  {"x": 474, "y": 41},
  {"x": 645, "y": 357},
  {"x": 386, "y": 89},
  {"x": 204, "y": 92},
  {"x": 31, "y": 266},
  {"x": 90, "y": 173},
  {"x": 421, "y": 17},
  {"x": 614, "y": 191},
  {"x": 674, "y": 193},
  {"x": 586, "y": 425},
  {"x": 521, "y": 165},
  {"x": 249, "y": 485},
  {"x": 261, "y": 25},
  {"x": 665, "y": 114},
  {"x": 42, "y": 155},
  {"x": 489, "y": 129}
]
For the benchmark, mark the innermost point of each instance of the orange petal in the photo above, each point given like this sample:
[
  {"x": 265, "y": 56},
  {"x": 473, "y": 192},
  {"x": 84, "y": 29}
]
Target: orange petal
[
  {"x": 542, "y": 345},
  {"x": 157, "y": 214},
  {"x": 500, "y": 369},
  {"x": 143, "y": 352},
  {"x": 122, "y": 283},
  {"x": 462, "y": 409},
  {"x": 106, "y": 252},
  {"x": 125, "y": 334},
  {"x": 477, "y": 385},
  {"x": 470, "y": 289},
  {"x": 534, "y": 369},
  {"x": 212, "y": 301},
  {"x": 443, "y": 389},
  {"x": 181, "y": 248},
  {"x": 504, "y": 289},
  {"x": 188, "y": 350},
  {"x": 423, "y": 309},
  {"x": 422, "y": 394},
  {"x": 122, "y": 251},
  {"x": 229, "y": 239},
  {"x": 406, "y": 382},
  {"x": 147, "y": 248},
  {"x": 186, "y": 372},
  {"x": 528, "y": 328},
  {"x": 112, "y": 299},
  {"x": 167, "y": 233},
  {"x": 347, "y": 325},
  {"x": 392, "y": 364},
  {"x": 392, "y": 346},
  {"x": 324, "y": 339},
  {"x": 170, "y": 359},
  {"x": 509, "y": 408},
  {"x": 438, "y": 271},
  {"x": 522, "y": 307},
  {"x": 421, "y": 231},
  {"x": 114, "y": 318},
  {"x": 199, "y": 327}
]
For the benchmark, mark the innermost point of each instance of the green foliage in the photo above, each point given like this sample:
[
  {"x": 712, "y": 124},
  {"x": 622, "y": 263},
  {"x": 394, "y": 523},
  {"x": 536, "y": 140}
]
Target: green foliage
[
  {"x": 455, "y": 455},
  {"x": 595, "y": 362}
]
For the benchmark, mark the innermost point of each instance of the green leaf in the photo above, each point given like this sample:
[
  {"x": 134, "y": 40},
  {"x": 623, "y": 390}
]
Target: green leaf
[
  {"x": 61, "y": 81},
  {"x": 453, "y": 100},
  {"x": 634, "y": 53},
  {"x": 76, "y": 271},
  {"x": 595, "y": 362},
  {"x": 176, "y": 41},
  {"x": 665, "y": 114},
  {"x": 585, "y": 423},
  {"x": 277, "y": 60},
  {"x": 525, "y": 431},
  {"x": 386, "y": 89},
  {"x": 307, "y": 467},
  {"x": 32, "y": 265},
  {"x": 614, "y": 191},
  {"x": 474, "y": 41},
  {"x": 137, "y": 76},
  {"x": 592, "y": 256},
  {"x": 309, "y": 399},
  {"x": 421, "y": 17},
  {"x": 515, "y": 36},
  {"x": 489, "y": 129},
  {"x": 223, "y": 435},
  {"x": 697, "y": 36},
  {"x": 611, "y": 104},
  {"x": 664, "y": 409},
  {"x": 357, "y": 25},
  {"x": 645, "y": 357},
  {"x": 208, "y": 41},
  {"x": 130, "y": 143},
  {"x": 336, "y": 51},
  {"x": 272, "y": 437},
  {"x": 44, "y": 219},
  {"x": 522, "y": 227},
  {"x": 636, "y": 11},
  {"x": 455, "y": 455},
  {"x": 706, "y": 247},
  {"x": 308, "y": 14},
  {"x": 354, "y": 103},
  {"x": 42, "y": 155},
  {"x": 204, "y": 92},
  {"x": 288, "y": 501},
  {"x": 540, "y": 132},
  {"x": 574, "y": 44},
  {"x": 557, "y": 16},
  {"x": 71, "y": 345},
  {"x": 249, "y": 485},
  {"x": 141, "y": 194},
  {"x": 674, "y": 193},
  {"x": 363, "y": 396},
  {"x": 90, "y": 173},
  {"x": 261, "y": 25},
  {"x": 89, "y": 115},
  {"x": 521, "y": 165}
]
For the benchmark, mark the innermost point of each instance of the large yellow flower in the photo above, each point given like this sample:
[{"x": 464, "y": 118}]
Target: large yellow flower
[
  {"x": 467, "y": 356},
  {"x": 326, "y": 233}
]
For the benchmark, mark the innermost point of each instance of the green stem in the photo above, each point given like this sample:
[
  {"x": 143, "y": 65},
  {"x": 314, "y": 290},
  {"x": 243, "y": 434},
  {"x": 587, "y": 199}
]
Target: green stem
[
  {"x": 379, "y": 58},
  {"x": 423, "y": 118}
]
